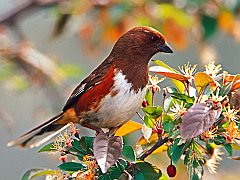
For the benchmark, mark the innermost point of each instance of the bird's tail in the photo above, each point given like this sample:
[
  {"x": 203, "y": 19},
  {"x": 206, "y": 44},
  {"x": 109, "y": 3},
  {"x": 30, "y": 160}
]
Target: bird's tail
[{"x": 42, "y": 133}]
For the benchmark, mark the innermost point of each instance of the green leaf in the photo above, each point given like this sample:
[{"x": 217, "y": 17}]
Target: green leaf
[
  {"x": 28, "y": 175},
  {"x": 46, "y": 148},
  {"x": 82, "y": 143},
  {"x": 166, "y": 118},
  {"x": 148, "y": 97},
  {"x": 177, "y": 150},
  {"x": 80, "y": 156},
  {"x": 219, "y": 140},
  {"x": 77, "y": 147},
  {"x": 105, "y": 176},
  {"x": 128, "y": 153},
  {"x": 195, "y": 169},
  {"x": 149, "y": 122},
  {"x": 229, "y": 148},
  {"x": 169, "y": 151},
  {"x": 171, "y": 90},
  {"x": 148, "y": 171},
  {"x": 71, "y": 166},
  {"x": 179, "y": 85},
  {"x": 186, "y": 158},
  {"x": 168, "y": 126},
  {"x": 86, "y": 144},
  {"x": 138, "y": 175},
  {"x": 183, "y": 97},
  {"x": 114, "y": 172},
  {"x": 123, "y": 163},
  {"x": 33, "y": 173},
  {"x": 153, "y": 112},
  {"x": 226, "y": 124},
  {"x": 209, "y": 24}
]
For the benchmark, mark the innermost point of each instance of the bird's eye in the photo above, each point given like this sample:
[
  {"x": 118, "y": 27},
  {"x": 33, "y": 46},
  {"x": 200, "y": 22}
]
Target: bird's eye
[{"x": 153, "y": 38}]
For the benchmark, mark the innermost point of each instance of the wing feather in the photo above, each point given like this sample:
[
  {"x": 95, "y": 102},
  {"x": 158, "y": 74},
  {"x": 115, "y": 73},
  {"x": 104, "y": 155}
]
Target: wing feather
[{"x": 94, "y": 78}]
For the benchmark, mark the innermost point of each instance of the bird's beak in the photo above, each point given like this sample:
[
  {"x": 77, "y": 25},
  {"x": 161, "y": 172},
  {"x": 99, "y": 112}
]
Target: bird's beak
[{"x": 165, "y": 48}]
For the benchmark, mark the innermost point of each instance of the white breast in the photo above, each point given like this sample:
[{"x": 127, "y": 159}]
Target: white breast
[{"x": 116, "y": 110}]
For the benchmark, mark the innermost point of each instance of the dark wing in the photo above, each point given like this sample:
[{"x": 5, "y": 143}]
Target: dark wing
[{"x": 94, "y": 78}]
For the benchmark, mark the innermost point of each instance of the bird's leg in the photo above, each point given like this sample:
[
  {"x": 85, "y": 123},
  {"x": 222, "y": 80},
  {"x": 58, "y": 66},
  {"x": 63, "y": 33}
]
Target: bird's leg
[
  {"x": 113, "y": 130},
  {"x": 97, "y": 129}
]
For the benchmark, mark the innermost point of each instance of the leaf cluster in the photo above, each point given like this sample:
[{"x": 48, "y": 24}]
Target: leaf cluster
[{"x": 197, "y": 116}]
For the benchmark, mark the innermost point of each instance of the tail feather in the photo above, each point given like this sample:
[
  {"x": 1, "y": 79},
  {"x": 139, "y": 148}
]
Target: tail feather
[{"x": 40, "y": 134}]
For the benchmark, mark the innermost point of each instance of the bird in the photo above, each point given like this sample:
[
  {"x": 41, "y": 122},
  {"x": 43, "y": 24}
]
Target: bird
[{"x": 112, "y": 94}]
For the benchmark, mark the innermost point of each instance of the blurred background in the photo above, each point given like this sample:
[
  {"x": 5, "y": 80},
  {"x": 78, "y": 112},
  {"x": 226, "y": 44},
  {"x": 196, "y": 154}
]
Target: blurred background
[{"x": 48, "y": 46}]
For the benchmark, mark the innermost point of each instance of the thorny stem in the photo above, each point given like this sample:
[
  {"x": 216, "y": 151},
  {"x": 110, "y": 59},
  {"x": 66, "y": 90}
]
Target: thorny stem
[{"x": 159, "y": 143}]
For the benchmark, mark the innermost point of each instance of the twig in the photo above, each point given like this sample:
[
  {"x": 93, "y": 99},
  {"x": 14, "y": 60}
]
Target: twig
[
  {"x": 153, "y": 93},
  {"x": 159, "y": 143},
  {"x": 11, "y": 16},
  {"x": 164, "y": 98},
  {"x": 139, "y": 115}
]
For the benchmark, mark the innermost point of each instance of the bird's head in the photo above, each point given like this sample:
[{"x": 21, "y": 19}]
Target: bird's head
[{"x": 141, "y": 41}]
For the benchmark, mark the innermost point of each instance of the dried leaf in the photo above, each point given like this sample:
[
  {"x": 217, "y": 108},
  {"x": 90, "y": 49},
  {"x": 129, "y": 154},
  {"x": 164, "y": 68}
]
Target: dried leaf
[
  {"x": 236, "y": 85},
  {"x": 34, "y": 173},
  {"x": 179, "y": 85},
  {"x": 143, "y": 141},
  {"x": 168, "y": 73},
  {"x": 160, "y": 149},
  {"x": 235, "y": 158},
  {"x": 128, "y": 128},
  {"x": 198, "y": 119},
  {"x": 107, "y": 150},
  {"x": 201, "y": 80}
]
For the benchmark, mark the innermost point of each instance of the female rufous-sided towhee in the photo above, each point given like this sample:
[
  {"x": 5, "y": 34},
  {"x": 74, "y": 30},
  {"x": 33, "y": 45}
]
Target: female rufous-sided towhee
[{"x": 112, "y": 93}]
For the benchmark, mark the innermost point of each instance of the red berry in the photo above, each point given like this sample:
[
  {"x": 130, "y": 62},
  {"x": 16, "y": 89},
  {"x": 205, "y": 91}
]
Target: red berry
[
  {"x": 63, "y": 158},
  {"x": 144, "y": 103},
  {"x": 171, "y": 170}
]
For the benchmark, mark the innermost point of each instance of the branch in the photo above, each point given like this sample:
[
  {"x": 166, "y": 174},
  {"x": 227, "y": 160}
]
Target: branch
[
  {"x": 10, "y": 17},
  {"x": 159, "y": 143}
]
